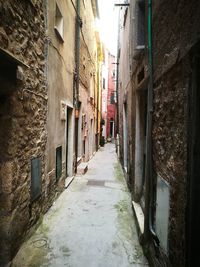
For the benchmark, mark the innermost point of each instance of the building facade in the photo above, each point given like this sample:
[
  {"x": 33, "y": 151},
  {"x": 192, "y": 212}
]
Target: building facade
[
  {"x": 60, "y": 28},
  {"x": 109, "y": 97},
  {"x": 89, "y": 89},
  {"x": 23, "y": 121},
  {"x": 46, "y": 123},
  {"x": 159, "y": 108}
]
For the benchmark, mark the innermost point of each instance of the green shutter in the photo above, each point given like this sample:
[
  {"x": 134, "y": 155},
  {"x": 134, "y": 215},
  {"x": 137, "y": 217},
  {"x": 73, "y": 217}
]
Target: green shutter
[
  {"x": 36, "y": 184},
  {"x": 58, "y": 162}
]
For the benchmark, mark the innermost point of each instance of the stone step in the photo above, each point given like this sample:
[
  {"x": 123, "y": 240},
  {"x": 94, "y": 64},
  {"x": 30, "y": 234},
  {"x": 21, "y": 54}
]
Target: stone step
[
  {"x": 82, "y": 168},
  {"x": 68, "y": 181},
  {"x": 139, "y": 216}
]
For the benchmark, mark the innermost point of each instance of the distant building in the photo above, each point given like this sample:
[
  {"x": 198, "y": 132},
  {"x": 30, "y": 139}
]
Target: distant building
[
  {"x": 109, "y": 97},
  {"x": 89, "y": 89}
]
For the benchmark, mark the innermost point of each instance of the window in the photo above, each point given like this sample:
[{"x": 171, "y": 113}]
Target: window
[
  {"x": 113, "y": 74},
  {"x": 58, "y": 162},
  {"x": 59, "y": 23},
  {"x": 140, "y": 24},
  {"x": 104, "y": 83},
  {"x": 35, "y": 178},
  {"x": 112, "y": 98}
]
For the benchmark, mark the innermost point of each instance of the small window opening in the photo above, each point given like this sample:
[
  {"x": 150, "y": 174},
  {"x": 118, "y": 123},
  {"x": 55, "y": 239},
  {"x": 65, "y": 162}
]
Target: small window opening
[
  {"x": 104, "y": 83},
  {"x": 59, "y": 23},
  {"x": 112, "y": 98},
  {"x": 140, "y": 24}
]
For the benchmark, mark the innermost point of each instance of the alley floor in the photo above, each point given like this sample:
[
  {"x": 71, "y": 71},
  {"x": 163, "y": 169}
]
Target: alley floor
[{"x": 91, "y": 224}]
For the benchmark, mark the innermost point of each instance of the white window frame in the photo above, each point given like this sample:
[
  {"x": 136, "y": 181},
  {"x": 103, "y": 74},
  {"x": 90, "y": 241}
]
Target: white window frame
[{"x": 59, "y": 23}]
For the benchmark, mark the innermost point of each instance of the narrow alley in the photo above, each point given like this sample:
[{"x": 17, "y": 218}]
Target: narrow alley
[
  {"x": 91, "y": 224},
  {"x": 99, "y": 133}
]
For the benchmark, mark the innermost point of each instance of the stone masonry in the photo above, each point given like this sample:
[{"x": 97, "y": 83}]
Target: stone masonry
[{"x": 23, "y": 109}]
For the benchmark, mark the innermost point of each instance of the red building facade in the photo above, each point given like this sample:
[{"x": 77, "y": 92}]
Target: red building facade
[{"x": 111, "y": 99}]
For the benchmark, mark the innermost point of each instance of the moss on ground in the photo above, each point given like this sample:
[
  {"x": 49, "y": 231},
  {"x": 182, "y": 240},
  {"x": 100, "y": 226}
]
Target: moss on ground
[
  {"x": 127, "y": 232},
  {"x": 118, "y": 172}
]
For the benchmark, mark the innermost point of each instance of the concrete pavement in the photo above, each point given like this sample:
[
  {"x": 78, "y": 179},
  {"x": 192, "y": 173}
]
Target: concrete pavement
[{"x": 90, "y": 225}]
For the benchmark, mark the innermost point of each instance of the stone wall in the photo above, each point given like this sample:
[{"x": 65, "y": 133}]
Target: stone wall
[
  {"x": 175, "y": 31},
  {"x": 23, "y": 114},
  {"x": 169, "y": 152}
]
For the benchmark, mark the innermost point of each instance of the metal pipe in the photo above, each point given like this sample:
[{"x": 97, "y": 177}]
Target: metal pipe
[
  {"x": 148, "y": 226},
  {"x": 117, "y": 73},
  {"x": 78, "y": 25},
  {"x": 97, "y": 111}
]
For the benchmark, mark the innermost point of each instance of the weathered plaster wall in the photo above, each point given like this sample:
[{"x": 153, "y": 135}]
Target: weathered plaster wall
[
  {"x": 126, "y": 91},
  {"x": 88, "y": 76},
  {"x": 60, "y": 81},
  {"x": 105, "y": 93},
  {"x": 22, "y": 121}
]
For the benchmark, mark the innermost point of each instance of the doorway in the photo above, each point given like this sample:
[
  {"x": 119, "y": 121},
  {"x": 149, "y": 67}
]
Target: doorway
[
  {"x": 125, "y": 136},
  {"x": 193, "y": 210},
  {"x": 69, "y": 143},
  {"x": 91, "y": 141},
  {"x": 112, "y": 125},
  {"x": 140, "y": 145}
]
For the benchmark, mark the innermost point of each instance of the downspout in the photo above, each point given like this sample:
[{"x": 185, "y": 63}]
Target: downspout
[
  {"x": 117, "y": 84},
  {"x": 78, "y": 25},
  {"x": 148, "y": 224},
  {"x": 97, "y": 118},
  {"x": 117, "y": 87}
]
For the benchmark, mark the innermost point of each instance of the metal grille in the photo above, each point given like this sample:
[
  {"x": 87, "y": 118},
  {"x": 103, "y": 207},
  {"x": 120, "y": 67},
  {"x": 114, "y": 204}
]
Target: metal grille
[
  {"x": 35, "y": 178},
  {"x": 58, "y": 162}
]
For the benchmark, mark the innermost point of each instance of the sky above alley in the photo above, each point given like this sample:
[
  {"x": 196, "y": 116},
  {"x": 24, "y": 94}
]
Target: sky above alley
[{"x": 108, "y": 24}]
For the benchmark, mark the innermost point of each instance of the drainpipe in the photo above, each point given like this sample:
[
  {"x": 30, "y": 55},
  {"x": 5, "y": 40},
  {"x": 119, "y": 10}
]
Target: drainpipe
[
  {"x": 97, "y": 114},
  {"x": 148, "y": 224},
  {"x": 117, "y": 85},
  {"x": 78, "y": 25}
]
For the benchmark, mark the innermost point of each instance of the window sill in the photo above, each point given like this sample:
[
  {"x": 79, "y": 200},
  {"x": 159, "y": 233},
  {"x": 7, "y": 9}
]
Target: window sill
[{"x": 59, "y": 35}]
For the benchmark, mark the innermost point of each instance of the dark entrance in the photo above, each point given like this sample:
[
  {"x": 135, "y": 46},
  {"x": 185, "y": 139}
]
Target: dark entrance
[
  {"x": 111, "y": 127},
  {"x": 69, "y": 116},
  {"x": 193, "y": 209}
]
